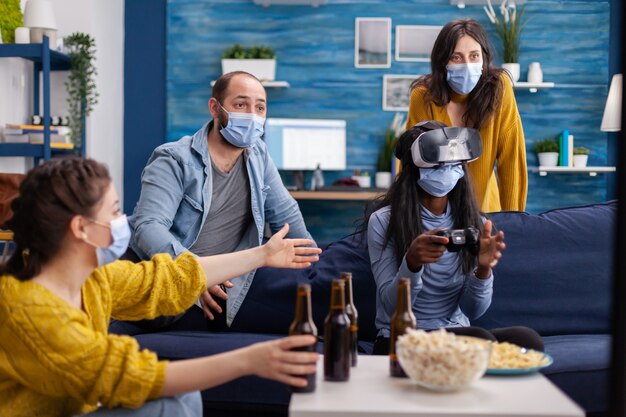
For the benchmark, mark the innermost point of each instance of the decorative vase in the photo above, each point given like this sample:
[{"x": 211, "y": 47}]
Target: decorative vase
[
  {"x": 580, "y": 161},
  {"x": 513, "y": 69},
  {"x": 383, "y": 179},
  {"x": 548, "y": 159},
  {"x": 535, "y": 74}
]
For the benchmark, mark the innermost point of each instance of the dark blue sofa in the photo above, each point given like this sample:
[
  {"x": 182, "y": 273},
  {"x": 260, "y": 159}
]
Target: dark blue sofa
[{"x": 555, "y": 276}]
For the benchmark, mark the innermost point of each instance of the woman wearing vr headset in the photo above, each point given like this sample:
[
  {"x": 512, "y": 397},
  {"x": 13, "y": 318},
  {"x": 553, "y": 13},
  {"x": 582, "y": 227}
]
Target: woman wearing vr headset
[
  {"x": 450, "y": 285},
  {"x": 63, "y": 283},
  {"x": 464, "y": 89}
]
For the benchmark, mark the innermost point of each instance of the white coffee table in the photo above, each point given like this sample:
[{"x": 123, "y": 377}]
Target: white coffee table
[{"x": 371, "y": 392}]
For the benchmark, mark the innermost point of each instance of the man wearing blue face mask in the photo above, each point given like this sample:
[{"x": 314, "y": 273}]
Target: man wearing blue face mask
[{"x": 213, "y": 193}]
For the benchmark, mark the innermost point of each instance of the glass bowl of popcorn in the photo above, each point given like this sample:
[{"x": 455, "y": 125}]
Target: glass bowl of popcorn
[{"x": 442, "y": 361}]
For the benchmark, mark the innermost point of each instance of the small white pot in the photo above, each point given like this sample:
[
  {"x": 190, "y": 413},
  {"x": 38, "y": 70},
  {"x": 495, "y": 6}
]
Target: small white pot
[
  {"x": 263, "y": 69},
  {"x": 513, "y": 69},
  {"x": 383, "y": 179},
  {"x": 364, "y": 181},
  {"x": 580, "y": 161},
  {"x": 548, "y": 159}
]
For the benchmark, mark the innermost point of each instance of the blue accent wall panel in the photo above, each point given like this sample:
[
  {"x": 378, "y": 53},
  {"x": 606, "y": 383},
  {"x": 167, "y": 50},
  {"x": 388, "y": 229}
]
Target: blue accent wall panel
[
  {"x": 144, "y": 90},
  {"x": 315, "y": 52}
]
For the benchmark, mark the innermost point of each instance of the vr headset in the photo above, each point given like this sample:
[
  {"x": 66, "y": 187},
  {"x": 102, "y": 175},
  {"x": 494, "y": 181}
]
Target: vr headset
[{"x": 445, "y": 145}]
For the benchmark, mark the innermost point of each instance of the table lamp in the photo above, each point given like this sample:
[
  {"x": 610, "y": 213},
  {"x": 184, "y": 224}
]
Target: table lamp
[
  {"x": 612, "y": 119},
  {"x": 39, "y": 17}
]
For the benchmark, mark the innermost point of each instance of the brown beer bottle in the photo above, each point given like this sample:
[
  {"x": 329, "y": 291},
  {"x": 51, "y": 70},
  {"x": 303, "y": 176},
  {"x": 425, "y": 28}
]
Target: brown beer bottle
[
  {"x": 303, "y": 324},
  {"x": 337, "y": 336},
  {"x": 401, "y": 320},
  {"x": 354, "y": 317}
]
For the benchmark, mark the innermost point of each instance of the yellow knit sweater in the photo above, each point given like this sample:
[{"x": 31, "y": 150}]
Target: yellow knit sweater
[
  {"x": 504, "y": 188},
  {"x": 56, "y": 360}
]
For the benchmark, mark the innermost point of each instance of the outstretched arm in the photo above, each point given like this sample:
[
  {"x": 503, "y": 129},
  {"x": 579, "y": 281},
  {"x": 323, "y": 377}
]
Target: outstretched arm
[
  {"x": 272, "y": 360},
  {"x": 278, "y": 252}
]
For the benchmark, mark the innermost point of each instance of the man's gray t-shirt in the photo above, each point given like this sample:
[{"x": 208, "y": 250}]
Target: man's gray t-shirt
[{"x": 230, "y": 213}]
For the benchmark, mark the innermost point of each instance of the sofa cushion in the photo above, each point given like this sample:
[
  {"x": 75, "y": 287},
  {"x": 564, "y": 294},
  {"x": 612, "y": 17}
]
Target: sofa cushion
[
  {"x": 581, "y": 368},
  {"x": 555, "y": 275},
  {"x": 270, "y": 302}
]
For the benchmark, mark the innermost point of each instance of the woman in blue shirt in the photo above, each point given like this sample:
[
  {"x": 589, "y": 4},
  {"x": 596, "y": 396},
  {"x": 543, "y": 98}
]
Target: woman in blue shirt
[{"x": 448, "y": 289}]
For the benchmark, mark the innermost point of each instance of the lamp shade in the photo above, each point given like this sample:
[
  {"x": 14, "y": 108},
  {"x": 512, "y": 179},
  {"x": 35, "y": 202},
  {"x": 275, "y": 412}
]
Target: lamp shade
[
  {"x": 39, "y": 14},
  {"x": 612, "y": 119}
]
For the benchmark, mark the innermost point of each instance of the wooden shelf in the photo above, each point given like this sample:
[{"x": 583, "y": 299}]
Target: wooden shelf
[
  {"x": 268, "y": 84},
  {"x": 532, "y": 87},
  {"x": 592, "y": 171},
  {"x": 359, "y": 195}
]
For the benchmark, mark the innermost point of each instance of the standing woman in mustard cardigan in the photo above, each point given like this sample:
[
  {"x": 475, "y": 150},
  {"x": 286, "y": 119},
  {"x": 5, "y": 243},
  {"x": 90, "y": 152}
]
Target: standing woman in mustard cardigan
[
  {"x": 64, "y": 282},
  {"x": 464, "y": 89}
]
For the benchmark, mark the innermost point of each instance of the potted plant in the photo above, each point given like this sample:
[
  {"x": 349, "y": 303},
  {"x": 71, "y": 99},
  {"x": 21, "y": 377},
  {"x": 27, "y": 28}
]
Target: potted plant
[
  {"x": 10, "y": 18},
  {"x": 581, "y": 155},
  {"x": 81, "y": 85},
  {"x": 508, "y": 27},
  {"x": 259, "y": 61},
  {"x": 386, "y": 156},
  {"x": 548, "y": 152}
]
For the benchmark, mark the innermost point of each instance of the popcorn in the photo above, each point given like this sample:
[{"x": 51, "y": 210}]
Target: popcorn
[
  {"x": 505, "y": 355},
  {"x": 440, "y": 360}
]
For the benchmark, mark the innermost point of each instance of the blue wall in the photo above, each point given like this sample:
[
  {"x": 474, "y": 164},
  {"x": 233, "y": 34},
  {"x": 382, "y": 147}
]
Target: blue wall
[
  {"x": 315, "y": 48},
  {"x": 144, "y": 90}
]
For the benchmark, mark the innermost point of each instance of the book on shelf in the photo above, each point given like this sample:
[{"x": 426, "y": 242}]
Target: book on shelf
[
  {"x": 564, "y": 149},
  {"x": 28, "y": 127},
  {"x": 37, "y": 139},
  {"x": 570, "y": 149},
  {"x": 25, "y": 131}
]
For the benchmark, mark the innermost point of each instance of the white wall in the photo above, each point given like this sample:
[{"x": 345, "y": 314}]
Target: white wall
[{"x": 104, "y": 20}]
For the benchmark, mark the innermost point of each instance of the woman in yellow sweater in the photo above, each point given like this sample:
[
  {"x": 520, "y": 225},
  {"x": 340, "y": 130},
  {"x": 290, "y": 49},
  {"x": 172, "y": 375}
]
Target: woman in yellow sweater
[
  {"x": 464, "y": 89},
  {"x": 63, "y": 284}
]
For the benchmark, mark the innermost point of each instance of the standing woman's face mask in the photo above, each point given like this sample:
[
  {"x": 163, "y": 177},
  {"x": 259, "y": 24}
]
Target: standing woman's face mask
[{"x": 465, "y": 66}]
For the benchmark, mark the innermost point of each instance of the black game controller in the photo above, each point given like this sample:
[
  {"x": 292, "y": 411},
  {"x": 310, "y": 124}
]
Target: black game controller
[{"x": 462, "y": 238}]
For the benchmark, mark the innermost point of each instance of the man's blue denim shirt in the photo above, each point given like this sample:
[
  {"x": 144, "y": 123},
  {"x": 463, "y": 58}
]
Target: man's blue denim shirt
[{"x": 176, "y": 190}]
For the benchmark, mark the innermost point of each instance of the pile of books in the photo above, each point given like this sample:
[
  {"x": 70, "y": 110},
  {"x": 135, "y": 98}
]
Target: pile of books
[{"x": 59, "y": 135}]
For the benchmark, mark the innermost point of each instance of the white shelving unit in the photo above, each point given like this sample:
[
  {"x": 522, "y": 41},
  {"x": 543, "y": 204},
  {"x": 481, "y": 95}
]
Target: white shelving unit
[
  {"x": 532, "y": 87},
  {"x": 268, "y": 84},
  {"x": 592, "y": 171}
]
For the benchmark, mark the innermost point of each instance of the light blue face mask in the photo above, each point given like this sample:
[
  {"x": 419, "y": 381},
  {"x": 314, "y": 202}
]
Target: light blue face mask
[
  {"x": 441, "y": 180},
  {"x": 462, "y": 78},
  {"x": 120, "y": 233},
  {"x": 243, "y": 129}
]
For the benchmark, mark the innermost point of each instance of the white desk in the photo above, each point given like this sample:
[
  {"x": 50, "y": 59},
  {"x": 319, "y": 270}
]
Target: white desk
[{"x": 371, "y": 392}]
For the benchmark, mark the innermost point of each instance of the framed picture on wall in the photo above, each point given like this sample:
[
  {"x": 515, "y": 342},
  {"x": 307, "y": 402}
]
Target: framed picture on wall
[
  {"x": 372, "y": 42},
  {"x": 415, "y": 43},
  {"x": 396, "y": 91}
]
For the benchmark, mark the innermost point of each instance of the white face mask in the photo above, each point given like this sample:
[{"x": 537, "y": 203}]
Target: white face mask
[{"x": 120, "y": 233}]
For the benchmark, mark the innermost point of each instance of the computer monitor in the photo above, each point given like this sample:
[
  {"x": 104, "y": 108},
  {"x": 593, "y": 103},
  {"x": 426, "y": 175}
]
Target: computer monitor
[{"x": 302, "y": 144}]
